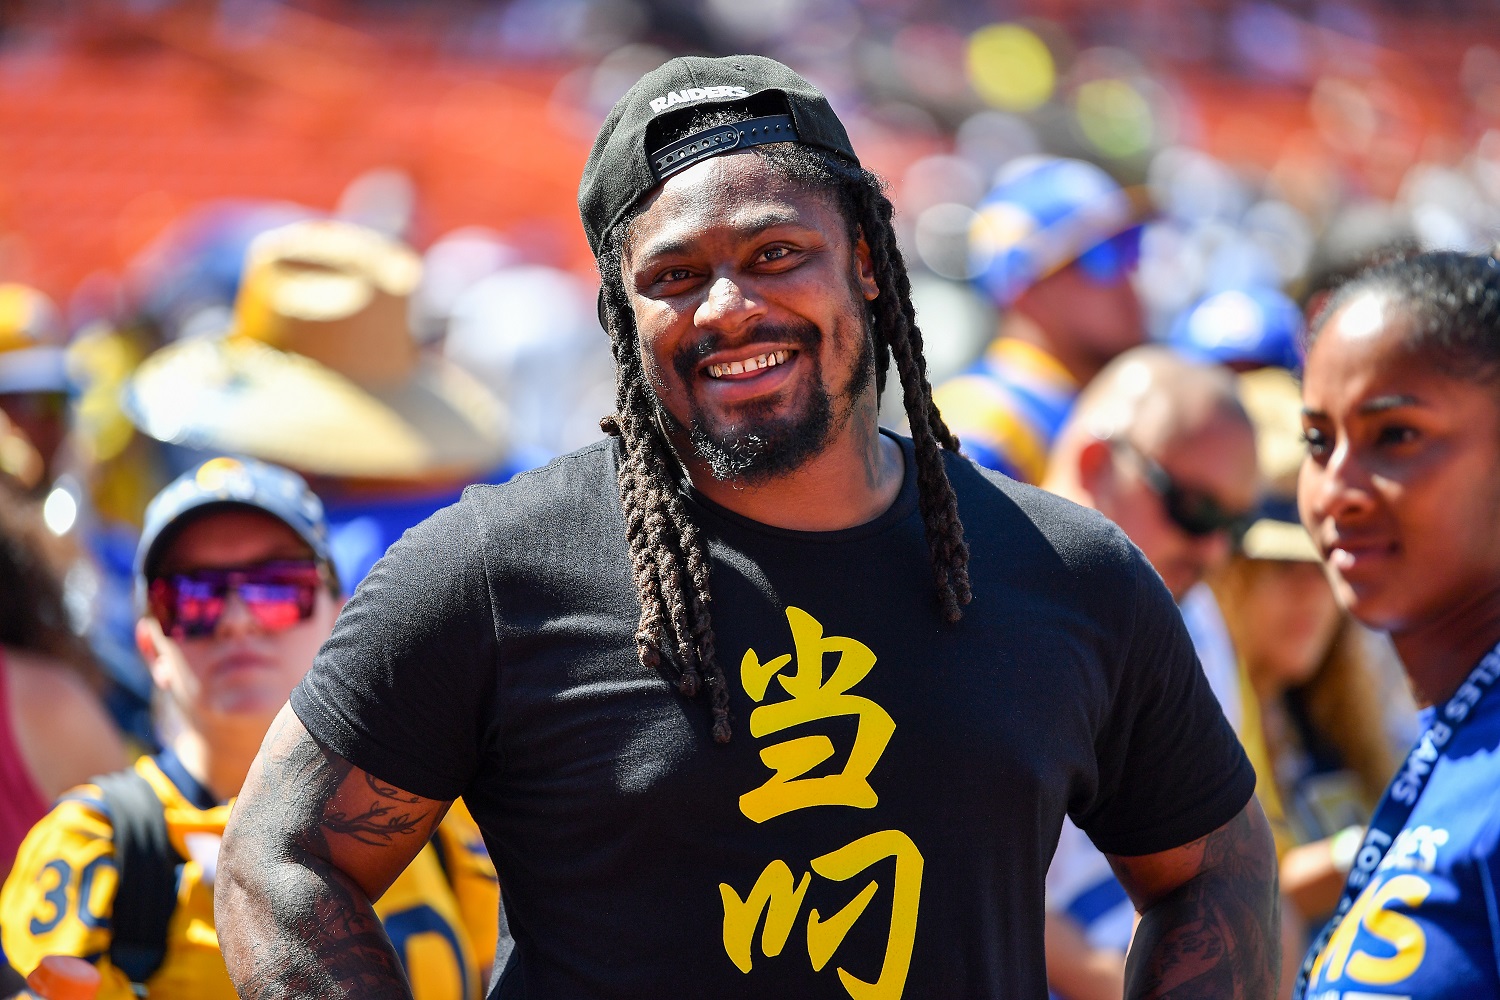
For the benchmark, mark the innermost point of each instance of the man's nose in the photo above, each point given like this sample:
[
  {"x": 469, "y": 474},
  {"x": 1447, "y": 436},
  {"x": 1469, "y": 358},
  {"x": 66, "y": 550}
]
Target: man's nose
[
  {"x": 729, "y": 305},
  {"x": 237, "y": 619}
]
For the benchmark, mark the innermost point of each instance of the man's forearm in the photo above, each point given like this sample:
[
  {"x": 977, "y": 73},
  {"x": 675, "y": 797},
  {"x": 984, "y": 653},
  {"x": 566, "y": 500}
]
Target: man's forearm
[
  {"x": 303, "y": 930},
  {"x": 291, "y": 922},
  {"x": 1217, "y": 936}
]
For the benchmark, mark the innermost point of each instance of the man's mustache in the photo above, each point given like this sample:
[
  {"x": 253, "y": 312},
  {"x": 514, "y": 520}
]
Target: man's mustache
[{"x": 690, "y": 355}]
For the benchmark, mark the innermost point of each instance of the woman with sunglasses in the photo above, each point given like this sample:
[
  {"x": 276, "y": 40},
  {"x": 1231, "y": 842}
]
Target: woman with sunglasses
[
  {"x": 1401, "y": 493},
  {"x": 234, "y": 574}
]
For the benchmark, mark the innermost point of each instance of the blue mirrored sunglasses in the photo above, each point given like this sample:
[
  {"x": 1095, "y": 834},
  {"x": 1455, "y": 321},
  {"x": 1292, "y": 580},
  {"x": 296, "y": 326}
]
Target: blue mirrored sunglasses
[{"x": 1114, "y": 259}]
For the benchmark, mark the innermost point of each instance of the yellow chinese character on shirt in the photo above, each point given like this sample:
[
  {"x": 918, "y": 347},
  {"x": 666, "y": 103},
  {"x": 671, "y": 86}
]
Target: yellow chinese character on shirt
[
  {"x": 780, "y": 899},
  {"x": 813, "y": 697}
]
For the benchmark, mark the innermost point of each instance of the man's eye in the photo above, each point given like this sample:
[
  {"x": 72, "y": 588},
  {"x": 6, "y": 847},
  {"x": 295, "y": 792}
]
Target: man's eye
[
  {"x": 775, "y": 253},
  {"x": 674, "y": 274},
  {"x": 1317, "y": 442},
  {"x": 1397, "y": 435}
]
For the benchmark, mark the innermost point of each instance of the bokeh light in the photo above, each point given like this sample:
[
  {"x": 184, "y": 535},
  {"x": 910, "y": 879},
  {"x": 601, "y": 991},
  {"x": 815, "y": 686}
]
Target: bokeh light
[
  {"x": 1011, "y": 67},
  {"x": 1115, "y": 117}
]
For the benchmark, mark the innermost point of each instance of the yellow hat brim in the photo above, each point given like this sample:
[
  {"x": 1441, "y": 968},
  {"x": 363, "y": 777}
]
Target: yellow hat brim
[
  {"x": 243, "y": 397},
  {"x": 1271, "y": 539}
]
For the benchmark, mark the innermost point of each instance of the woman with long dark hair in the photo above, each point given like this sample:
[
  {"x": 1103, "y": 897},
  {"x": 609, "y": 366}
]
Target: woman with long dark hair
[
  {"x": 1401, "y": 492},
  {"x": 54, "y": 732}
]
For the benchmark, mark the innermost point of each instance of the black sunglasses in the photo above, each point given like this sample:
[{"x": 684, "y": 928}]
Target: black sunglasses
[{"x": 1192, "y": 510}]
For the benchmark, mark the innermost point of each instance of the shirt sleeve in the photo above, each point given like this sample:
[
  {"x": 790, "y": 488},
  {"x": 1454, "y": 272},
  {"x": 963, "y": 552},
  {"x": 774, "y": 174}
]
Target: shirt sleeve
[
  {"x": 60, "y": 894},
  {"x": 401, "y": 687},
  {"x": 1170, "y": 767}
]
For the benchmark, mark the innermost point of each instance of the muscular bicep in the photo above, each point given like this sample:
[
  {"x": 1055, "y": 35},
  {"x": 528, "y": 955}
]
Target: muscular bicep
[
  {"x": 306, "y": 798},
  {"x": 1240, "y": 852}
]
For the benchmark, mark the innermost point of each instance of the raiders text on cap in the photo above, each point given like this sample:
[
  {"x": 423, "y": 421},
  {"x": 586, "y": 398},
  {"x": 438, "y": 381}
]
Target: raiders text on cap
[{"x": 660, "y": 104}]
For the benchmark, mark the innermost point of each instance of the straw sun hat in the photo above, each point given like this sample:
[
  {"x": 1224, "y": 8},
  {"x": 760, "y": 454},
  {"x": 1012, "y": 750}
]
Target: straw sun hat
[
  {"x": 319, "y": 370},
  {"x": 1274, "y": 403}
]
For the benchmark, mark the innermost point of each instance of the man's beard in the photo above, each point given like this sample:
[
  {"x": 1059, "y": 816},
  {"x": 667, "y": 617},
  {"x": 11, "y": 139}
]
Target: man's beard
[{"x": 758, "y": 446}]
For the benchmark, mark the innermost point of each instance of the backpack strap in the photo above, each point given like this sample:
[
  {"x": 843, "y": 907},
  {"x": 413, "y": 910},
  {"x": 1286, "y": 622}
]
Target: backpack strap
[{"x": 147, "y": 891}]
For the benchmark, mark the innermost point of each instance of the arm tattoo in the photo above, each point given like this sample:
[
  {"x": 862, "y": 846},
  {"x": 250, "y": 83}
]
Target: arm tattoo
[
  {"x": 381, "y": 821},
  {"x": 1217, "y": 935},
  {"x": 291, "y": 923}
]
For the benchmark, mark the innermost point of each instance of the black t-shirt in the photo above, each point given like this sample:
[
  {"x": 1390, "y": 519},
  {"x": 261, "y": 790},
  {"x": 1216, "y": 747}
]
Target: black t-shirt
[{"x": 888, "y": 806}]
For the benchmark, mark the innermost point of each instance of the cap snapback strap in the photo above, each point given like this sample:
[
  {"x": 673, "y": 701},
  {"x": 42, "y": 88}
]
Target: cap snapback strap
[{"x": 721, "y": 139}]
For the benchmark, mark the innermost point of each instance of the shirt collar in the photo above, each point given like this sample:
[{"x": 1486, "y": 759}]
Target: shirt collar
[{"x": 192, "y": 790}]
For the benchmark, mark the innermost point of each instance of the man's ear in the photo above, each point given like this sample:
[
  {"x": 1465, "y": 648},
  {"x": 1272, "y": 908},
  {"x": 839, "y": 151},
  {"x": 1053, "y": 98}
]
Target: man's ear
[
  {"x": 146, "y": 632},
  {"x": 864, "y": 270},
  {"x": 1096, "y": 467},
  {"x": 148, "y": 639}
]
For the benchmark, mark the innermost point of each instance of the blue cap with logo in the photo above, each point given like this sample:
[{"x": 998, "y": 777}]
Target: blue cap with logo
[
  {"x": 1244, "y": 328},
  {"x": 1044, "y": 213},
  {"x": 231, "y": 482}
]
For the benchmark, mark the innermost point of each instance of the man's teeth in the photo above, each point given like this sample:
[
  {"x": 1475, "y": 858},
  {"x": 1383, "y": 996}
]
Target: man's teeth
[{"x": 748, "y": 365}]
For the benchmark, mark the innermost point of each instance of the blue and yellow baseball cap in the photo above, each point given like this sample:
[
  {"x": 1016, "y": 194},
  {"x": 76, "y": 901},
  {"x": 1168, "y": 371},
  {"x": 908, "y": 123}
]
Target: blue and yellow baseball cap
[
  {"x": 1244, "y": 328},
  {"x": 1044, "y": 213},
  {"x": 230, "y": 482}
]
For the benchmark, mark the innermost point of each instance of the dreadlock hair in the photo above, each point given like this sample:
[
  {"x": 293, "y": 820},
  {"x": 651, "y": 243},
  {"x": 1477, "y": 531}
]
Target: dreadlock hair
[{"x": 668, "y": 554}]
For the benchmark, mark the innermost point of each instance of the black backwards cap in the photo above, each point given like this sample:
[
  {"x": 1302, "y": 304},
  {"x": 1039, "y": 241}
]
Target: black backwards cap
[{"x": 625, "y": 163}]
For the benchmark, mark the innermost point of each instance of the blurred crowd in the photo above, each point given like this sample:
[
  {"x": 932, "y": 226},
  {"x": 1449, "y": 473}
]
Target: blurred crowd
[{"x": 1117, "y": 219}]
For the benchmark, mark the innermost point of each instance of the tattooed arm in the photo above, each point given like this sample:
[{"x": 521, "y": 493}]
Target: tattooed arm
[
  {"x": 311, "y": 842},
  {"x": 1209, "y": 916}
]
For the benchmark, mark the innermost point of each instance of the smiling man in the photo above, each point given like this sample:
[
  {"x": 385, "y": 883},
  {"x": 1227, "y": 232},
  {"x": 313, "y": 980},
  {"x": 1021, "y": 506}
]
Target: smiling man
[{"x": 901, "y": 707}]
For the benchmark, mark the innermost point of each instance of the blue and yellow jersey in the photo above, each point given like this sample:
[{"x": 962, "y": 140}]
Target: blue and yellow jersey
[
  {"x": 1008, "y": 408},
  {"x": 1427, "y": 925},
  {"x": 459, "y": 846},
  {"x": 59, "y": 897}
]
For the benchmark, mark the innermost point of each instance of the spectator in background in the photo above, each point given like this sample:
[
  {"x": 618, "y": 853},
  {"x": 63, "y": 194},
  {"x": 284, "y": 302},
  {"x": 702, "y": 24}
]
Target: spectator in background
[
  {"x": 319, "y": 372},
  {"x": 54, "y": 732},
  {"x": 1055, "y": 244},
  {"x": 33, "y": 375},
  {"x": 1314, "y": 725},
  {"x": 1241, "y": 329},
  {"x": 1162, "y": 447},
  {"x": 233, "y": 572}
]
